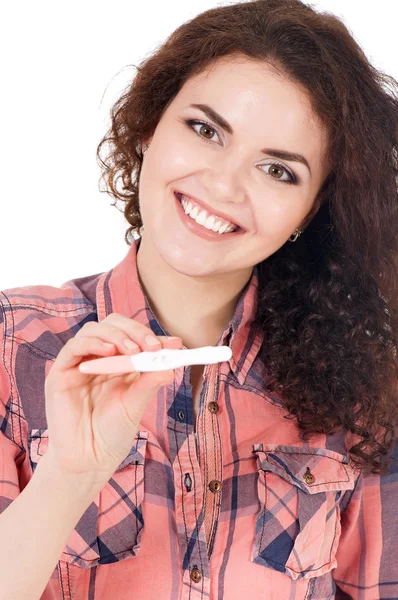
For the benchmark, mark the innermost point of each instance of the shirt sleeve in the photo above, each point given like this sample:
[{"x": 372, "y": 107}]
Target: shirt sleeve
[
  {"x": 14, "y": 468},
  {"x": 367, "y": 555}
]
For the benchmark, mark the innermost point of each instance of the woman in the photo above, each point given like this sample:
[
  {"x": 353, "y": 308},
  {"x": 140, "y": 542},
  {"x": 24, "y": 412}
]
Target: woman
[{"x": 270, "y": 475}]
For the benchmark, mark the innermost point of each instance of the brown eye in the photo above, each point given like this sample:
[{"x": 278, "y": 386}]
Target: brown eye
[
  {"x": 280, "y": 173},
  {"x": 277, "y": 171},
  {"x": 206, "y": 131}
]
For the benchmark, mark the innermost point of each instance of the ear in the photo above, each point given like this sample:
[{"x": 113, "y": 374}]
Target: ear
[
  {"x": 145, "y": 142},
  {"x": 320, "y": 198},
  {"x": 307, "y": 220}
]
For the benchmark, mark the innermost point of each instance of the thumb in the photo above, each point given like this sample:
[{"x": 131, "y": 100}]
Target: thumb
[
  {"x": 142, "y": 390},
  {"x": 149, "y": 380}
]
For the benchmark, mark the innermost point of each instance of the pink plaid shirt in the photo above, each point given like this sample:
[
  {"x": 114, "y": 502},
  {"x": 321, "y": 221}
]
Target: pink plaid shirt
[{"x": 246, "y": 510}]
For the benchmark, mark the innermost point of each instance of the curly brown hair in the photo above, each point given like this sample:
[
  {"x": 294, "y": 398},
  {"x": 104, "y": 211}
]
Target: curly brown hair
[{"x": 328, "y": 304}]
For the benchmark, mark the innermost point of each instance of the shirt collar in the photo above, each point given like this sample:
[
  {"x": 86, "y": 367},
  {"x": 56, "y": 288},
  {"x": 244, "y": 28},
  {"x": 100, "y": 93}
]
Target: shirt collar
[{"x": 119, "y": 290}]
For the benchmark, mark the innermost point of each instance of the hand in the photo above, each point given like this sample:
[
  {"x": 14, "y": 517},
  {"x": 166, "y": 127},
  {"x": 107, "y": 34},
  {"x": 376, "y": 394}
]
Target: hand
[{"x": 93, "y": 419}]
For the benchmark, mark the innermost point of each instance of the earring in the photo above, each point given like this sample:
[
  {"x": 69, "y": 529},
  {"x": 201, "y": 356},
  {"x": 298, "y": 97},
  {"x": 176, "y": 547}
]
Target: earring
[{"x": 295, "y": 235}]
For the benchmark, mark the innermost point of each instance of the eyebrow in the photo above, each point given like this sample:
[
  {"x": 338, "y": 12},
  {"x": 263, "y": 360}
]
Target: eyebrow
[{"x": 282, "y": 154}]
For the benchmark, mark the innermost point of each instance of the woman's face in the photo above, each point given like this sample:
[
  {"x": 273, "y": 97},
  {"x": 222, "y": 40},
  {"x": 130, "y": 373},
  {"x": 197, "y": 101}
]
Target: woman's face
[{"x": 234, "y": 171}]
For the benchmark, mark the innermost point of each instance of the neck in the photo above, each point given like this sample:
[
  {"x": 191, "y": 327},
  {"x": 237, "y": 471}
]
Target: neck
[{"x": 196, "y": 309}]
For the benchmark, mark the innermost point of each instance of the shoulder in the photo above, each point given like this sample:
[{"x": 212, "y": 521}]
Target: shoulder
[
  {"x": 26, "y": 312},
  {"x": 36, "y": 321}
]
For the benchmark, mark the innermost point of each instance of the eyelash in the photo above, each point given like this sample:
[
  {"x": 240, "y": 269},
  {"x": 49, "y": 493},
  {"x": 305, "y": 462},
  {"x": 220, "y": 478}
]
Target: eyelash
[{"x": 291, "y": 181}]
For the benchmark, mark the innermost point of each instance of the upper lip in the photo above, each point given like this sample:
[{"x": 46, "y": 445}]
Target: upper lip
[{"x": 209, "y": 209}]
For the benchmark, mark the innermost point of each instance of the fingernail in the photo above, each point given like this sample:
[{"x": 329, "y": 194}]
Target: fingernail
[
  {"x": 130, "y": 345},
  {"x": 152, "y": 341}
]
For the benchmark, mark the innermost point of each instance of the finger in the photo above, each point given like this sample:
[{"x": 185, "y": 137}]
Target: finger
[
  {"x": 138, "y": 332},
  {"x": 109, "y": 333},
  {"x": 124, "y": 332},
  {"x": 79, "y": 347}
]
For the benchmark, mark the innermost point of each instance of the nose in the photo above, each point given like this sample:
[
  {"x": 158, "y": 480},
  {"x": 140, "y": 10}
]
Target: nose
[{"x": 226, "y": 178}]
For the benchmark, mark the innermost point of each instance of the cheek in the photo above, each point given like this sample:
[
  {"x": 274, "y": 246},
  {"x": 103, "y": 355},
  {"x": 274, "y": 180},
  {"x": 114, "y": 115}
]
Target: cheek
[
  {"x": 178, "y": 153},
  {"x": 278, "y": 216},
  {"x": 167, "y": 166}
]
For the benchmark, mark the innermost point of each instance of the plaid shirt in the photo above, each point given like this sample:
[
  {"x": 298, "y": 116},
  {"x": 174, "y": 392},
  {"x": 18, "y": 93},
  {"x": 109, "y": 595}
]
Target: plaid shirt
[{"x": 244, "y": 509}]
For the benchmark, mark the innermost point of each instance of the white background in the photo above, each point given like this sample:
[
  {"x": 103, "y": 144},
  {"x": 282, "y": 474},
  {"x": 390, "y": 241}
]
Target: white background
[{"x": 63, "y": 65}]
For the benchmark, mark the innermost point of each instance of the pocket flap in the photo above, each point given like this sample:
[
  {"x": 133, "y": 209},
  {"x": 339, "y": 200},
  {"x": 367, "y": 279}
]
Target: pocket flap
[
  {"x": 311, "y": 469},
  {"x": 38, "y": 444}
]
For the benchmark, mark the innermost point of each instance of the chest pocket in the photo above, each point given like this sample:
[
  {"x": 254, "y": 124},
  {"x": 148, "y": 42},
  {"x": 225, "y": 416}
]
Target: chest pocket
[
  {"x": 110, "y": 529},
  {"x": 298, "y": 524}
]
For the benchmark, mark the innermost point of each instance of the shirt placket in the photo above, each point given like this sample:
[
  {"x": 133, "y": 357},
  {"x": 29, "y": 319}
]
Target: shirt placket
[
  {"x": 210, "y": 455},
  {"x": 197, "y": 476}
]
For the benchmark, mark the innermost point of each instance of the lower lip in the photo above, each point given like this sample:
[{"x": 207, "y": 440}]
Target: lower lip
[{"x": 200, "y": 230}]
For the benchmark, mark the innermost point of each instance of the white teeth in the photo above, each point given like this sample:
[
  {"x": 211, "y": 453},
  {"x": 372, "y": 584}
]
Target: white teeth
[{"x": 201, "y": 216}]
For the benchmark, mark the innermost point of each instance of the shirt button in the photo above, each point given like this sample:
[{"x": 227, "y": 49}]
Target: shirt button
[
  {"x": 213, "y": 407},
  {"x": 181, "y": 415},
  {"x": 308, "y": 476},
  {"x": 196, "y": 575},
  {"x": 215, "y": 485}
]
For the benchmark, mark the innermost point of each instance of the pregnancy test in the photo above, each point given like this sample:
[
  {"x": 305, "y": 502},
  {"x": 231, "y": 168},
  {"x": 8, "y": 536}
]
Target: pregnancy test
[{"x": 161, "y": 360}]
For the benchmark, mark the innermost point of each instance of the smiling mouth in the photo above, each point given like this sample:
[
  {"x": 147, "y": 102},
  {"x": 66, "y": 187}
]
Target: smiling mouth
[{"x": 236, "y": 227}]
